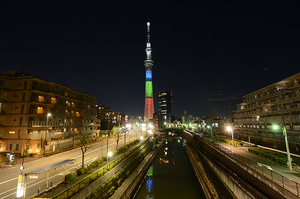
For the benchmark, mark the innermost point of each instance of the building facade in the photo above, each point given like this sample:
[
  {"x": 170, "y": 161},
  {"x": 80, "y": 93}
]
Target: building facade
[
  {"x": 165, "y": 105},
  {"x": 275, "y": 104},
  {"x": 109, "y": 118},
  {"x": 37, "y": 115},
  {"x": 149, "y": 104}
]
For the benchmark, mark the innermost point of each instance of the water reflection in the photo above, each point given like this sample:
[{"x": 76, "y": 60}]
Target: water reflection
[
  {"x": 171, "y": 180},
  {"x": 149, "y": 183}
]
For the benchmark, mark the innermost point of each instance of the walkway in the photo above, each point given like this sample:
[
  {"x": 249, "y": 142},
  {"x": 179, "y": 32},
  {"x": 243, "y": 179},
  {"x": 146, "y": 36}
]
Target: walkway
[{"x": 276, "y": 167}]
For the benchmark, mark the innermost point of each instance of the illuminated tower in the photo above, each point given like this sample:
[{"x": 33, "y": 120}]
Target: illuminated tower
[{"x": 149, "y": 105}]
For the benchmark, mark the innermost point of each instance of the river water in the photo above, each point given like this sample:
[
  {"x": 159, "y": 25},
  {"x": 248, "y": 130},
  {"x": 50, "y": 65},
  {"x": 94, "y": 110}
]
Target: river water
[{"x": 171, "y": 175}]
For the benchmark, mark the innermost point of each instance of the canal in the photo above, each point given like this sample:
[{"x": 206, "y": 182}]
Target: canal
[{"x": 171, "y": 175}]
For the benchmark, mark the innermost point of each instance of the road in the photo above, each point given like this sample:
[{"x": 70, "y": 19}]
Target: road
[{"x": 8, "y": 176}]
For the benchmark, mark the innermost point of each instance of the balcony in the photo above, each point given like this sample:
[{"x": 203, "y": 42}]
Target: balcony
[
  {"x": 35, "y": 136},
  {"x": 39, "y": 100},
  {"x": 89, "y": 116},
  {"x": 89, "y": 131},
  {"x": 88, "y": 123},
  {"x": 37, "y": 111},
  {"x": 50, "y": 123}
]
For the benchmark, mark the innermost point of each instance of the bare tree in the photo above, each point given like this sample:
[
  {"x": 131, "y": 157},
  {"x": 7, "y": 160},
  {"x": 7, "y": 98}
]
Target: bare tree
[
  {"x": 84, "y": 144},
  {"x": 117, "y": 132}
]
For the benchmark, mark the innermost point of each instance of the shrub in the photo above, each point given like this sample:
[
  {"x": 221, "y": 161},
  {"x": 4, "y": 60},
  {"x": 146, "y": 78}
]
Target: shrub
[
  {"x": 104, "y": 158},
  {"x": 82, "y": 171},
  {"x": 33, "y": 154},
  {"x": 94, "y": 164},
  {"x": 70, "y": 177}
]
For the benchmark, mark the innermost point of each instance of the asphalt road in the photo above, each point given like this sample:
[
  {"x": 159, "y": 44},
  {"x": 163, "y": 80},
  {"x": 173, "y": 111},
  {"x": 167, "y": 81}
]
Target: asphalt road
[{"x": 9, "y": 175}]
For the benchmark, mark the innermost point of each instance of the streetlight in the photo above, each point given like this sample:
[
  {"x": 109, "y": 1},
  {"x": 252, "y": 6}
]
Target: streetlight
[
  {"x": 281, "y": 89},
  {"x": 109, "y": 154},
  {"x": 48, "y": 115},
  {"x": 211, "y": 133},
  {"x": 231, "y": 130},
  {"x": 276, "y": 127}
]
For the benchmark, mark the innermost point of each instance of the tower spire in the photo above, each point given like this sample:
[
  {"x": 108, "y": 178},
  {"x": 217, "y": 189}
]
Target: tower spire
[
  {"x": 148, "y": 31},
  {"x": 148, "y": 46},
  {"x": 149, "y": 105}
]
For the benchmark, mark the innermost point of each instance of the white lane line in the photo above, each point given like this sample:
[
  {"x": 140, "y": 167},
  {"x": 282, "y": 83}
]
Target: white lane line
[
  {"x": 49, "y": 178},
  {"x": 8, "y": 180}
]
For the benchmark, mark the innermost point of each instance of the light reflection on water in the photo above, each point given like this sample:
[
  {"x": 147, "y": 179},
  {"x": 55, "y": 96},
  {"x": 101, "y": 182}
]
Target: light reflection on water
[{"x": 171, "y": 176}]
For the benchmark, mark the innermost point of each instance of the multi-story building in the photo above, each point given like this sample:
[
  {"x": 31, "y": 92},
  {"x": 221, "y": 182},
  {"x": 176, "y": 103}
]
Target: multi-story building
[
  {"x": 157, "y": 120},
  {"x": 109, "y": 118},
  {"x": 262, "y": 109},
  {"x": 37, "y": 115},
  {"x": 165, "y": 105},
  {"x": 216, "y": 125}
]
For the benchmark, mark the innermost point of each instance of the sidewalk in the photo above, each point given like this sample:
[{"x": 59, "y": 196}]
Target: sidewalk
[{"x": 276, "y": 167}]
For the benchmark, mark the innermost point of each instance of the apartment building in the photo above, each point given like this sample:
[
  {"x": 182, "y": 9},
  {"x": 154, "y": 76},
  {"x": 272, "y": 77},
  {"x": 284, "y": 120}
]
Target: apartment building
[
  {"x": 262, "y": 109},
  {"x": 109, "y": 118},
  {"x": 37, "y": 115}
]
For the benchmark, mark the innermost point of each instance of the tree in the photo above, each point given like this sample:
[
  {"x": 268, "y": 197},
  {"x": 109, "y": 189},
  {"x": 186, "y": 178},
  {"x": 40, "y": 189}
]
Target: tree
[
  {"x": 84, "y": 146},
  {"x": 117, "y": 132}
]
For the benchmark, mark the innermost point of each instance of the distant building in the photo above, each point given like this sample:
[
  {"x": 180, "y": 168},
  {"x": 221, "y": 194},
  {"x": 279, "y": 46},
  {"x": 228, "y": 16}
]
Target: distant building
[
  {"x": 157, "y": 120},
  {"x": 165, "y": 105},
  {"x": 216, "y": 123},
  {"x": 109, "y": 118},
  {"x": 38, "y": 115},
  {"x": 262, "y": 108}
]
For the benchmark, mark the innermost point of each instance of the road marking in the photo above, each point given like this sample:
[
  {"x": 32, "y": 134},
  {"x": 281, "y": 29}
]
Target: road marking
[{"x": 8, "y": 180}]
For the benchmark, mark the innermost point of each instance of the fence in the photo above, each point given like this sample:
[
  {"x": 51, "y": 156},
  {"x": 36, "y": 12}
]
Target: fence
[{"x": 286, "y": 183}]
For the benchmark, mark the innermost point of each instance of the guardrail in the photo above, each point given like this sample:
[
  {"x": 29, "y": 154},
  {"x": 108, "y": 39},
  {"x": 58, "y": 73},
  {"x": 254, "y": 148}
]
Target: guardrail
[{"x": 277, "y": 178}]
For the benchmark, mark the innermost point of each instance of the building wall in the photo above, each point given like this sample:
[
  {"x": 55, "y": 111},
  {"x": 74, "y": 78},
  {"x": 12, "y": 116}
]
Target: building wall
[
  {"x": 25, "y": 102},
  {"x": 261, "y": 109},
  {"x": 165, "y": 104}
]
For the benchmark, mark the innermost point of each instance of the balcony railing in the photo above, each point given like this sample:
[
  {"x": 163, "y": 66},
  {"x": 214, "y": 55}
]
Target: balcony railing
[
  {"x": 36, "y": 111},
  {"x": 89, "y": 131},
  {"x": 89, "y": 116},
  {"x": 51, "y": 123},
  {"x": 88, "y": 123}
]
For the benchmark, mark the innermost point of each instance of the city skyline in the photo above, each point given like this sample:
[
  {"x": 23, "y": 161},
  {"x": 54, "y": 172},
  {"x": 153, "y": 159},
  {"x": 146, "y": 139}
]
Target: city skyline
[{"x": 209, "y": 54}]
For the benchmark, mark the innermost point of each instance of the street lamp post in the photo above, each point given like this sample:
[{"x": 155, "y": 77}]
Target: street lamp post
[
  {"x": 48, "y": 115},
  {"x": 231, "y": 130},
  {"x": 286, "y": 144},
  {"x": 108, "y": 155},
  {"x": 211, "y": 132}
]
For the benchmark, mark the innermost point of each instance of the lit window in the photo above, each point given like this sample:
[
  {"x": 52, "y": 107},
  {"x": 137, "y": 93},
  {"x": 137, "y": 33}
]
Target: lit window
[{"x": 11, "y": 132}]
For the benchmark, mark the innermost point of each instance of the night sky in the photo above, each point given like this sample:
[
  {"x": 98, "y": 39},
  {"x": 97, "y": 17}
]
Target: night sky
[{"x": 209, "y": 53}]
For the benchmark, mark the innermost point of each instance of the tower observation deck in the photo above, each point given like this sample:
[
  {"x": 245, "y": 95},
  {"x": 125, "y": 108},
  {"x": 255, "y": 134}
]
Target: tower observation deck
[{"x": 149, "y": 105}]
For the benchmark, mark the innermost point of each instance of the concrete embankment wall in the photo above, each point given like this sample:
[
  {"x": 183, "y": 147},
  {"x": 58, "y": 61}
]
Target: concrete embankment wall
[
  {"x": 230, "y": 183},
  {"x": 203, "y": 179}
]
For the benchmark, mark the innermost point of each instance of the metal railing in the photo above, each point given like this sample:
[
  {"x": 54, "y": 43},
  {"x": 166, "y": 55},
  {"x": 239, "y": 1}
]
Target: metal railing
[{"x": 277, "y": 178}]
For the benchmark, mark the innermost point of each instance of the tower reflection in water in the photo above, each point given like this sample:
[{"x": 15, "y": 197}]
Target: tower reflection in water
[{"x": 149, "y": 183}]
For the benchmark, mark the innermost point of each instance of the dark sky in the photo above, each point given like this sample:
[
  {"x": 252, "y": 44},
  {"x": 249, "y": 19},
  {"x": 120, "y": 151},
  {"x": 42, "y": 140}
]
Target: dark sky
[{"x": 209, "y": 53}]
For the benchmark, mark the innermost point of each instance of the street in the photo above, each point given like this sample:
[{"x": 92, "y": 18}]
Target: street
[{"x": 8, "y": 180}]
